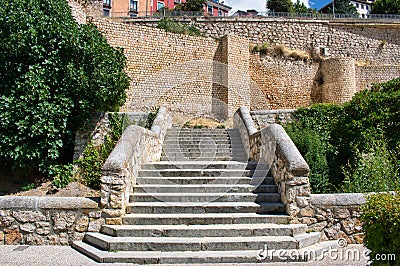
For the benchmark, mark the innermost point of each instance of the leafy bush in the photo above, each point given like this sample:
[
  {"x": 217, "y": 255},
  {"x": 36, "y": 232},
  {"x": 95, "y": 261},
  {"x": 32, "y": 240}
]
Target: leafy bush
[
  {"x": 381, "y": 226},
  {"x": 54, "y": 74},
  {"x": 359, "y": 140},
  {"x": 151, "y": 117},
  {"x": 62, "y": 175},
  {"x": 169, "y": 25},
  {"x": 94, "y": 157},
  {"x": 314, "y": 151},
  {"x": 374, "y": 171}
]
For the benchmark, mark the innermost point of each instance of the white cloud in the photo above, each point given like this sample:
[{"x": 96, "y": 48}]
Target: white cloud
[{"x": 258, "y": 5}]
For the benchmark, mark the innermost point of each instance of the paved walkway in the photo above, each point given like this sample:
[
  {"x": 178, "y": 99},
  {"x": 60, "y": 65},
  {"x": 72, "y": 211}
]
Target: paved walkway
[{"x": 66, "y": 256}]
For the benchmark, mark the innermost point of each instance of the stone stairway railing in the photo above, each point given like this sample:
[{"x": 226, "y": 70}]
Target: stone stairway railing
[
  {"x": 137, "y": 146},
  {"x": 273, "y": 147}
]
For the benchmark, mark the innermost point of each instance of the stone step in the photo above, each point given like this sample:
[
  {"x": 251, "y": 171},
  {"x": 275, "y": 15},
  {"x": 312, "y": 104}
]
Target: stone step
[
  {"x": 106, "y": 242},
  {"x": 210, "y": 151},
  {"x": 207, "y": 188},
  {"x": 260, "y": 256},
  {"x": 212, "y": 230},
  {"x": 203, "y": 153},
  {"x": 190, "y": 180},
  {"x": 203, "y": 218},
  {"x": 241, "y": 158},
  {"x": 186, "y": 129},
  {"x": 203, "y": 165},
  {"x": 205, "y": 197},
  {"x": 201, "y": 135},
  {"x": 212, "y": 207},
  {"x": 198, "y": 146},
  {"x": 169, "y": 141},
  {"x": 195, "y": 173}
]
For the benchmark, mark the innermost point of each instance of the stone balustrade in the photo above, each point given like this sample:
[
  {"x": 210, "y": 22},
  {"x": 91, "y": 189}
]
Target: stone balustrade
[{"x": 137, "y": 146}]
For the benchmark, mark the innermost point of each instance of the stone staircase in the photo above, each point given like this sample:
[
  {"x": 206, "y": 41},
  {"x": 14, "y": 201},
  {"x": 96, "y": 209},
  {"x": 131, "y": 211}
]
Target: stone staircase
[{"x": 204, "y": 202}]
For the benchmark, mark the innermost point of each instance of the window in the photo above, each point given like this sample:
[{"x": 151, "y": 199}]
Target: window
[
  {"x": 220, "y": 14},
  {"x": 133, "y": 6},
  {"x": 160, "y": 5},
  {"x": 107, "y": 3},
  {"x": 357, "y": 5},
  {"x": 210, "y": 10},
  {"x": 362, "y": 6}
]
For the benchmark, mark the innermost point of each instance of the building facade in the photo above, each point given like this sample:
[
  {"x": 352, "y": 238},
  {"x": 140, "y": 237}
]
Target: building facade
[
  {"x": 363, "y": 7},
  {"x": 143, "y": 8}
]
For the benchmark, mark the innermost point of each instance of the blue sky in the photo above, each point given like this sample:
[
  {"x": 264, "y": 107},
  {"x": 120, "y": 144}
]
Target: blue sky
[{"x": 259, "y": 5}]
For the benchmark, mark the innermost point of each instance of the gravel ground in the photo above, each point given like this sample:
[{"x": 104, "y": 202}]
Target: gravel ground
[{"x": 66, "y": 256}]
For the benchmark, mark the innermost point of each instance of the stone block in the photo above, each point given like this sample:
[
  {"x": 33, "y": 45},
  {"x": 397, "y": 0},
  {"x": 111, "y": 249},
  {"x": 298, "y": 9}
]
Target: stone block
[
  {"x": 95, "y": 225},
  {"x": 28, "y": 216},
  {"x": 63, "y": 220},
  {"x": 82, "y": 224},
  {"x": 42, "y": 228},
  {"x": 12, "y": 236}
]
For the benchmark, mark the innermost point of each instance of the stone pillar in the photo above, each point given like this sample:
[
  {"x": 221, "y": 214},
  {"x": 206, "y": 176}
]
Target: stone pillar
[
  {"x": 236, "y": 56},
  {"x": 338, "y": 80}
]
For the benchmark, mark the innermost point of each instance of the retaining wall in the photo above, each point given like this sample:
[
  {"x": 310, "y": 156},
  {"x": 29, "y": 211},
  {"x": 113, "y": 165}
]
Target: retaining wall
[{"x": 47, "y": 220}]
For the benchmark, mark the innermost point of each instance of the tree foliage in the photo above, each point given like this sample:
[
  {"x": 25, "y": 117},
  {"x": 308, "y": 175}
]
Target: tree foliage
[
  {"x": 191, "y": 5},
  {"x": 386, "y": 7},
  {"x": 343, "y": 7},
  {"x": 53, "y": 74},
  {"x": 300, "y": 7},
  {"x": 280, "y": 5}
]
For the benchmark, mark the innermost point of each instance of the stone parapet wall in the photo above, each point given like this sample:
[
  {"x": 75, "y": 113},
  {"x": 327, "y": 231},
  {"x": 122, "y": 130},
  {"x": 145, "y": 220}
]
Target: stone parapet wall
[
  {"x": 266, "y": 118},
  {"x": 337, "y": 216},
  {"x": 276, "y": 153},
  {"x": 47, "y": 220},
  {"x": 137, "y": 146},
  {"x": 96, "y": 129}
]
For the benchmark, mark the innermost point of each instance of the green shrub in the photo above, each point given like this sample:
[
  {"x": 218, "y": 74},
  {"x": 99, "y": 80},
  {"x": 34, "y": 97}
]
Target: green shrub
[
  {"x": 62, "y": 175},
  {"x": 381, "y": 226},
  {"x": 359, "y": 140},
  {"x": 54, "y": 74},
  {"x": 314, "y": 151},
  {"x": 170, "y": 25},
  {"x": 94, "y": 157},
  {"x": 374, "y": 171}
]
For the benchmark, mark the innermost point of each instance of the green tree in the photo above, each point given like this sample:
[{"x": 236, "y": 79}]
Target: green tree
[
  {"x": 300, "y": 7},
  {"x": 54, "y": 74},
  {"x": 280, "y": 5},
  {"x": 386, "y": 7},
  {"x": 191, "y": 5},
  {"x": 343, "y": 7}
]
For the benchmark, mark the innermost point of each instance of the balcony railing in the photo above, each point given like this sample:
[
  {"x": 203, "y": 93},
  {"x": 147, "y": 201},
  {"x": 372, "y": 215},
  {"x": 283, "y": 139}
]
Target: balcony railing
[{"x": 189, "y": 14}]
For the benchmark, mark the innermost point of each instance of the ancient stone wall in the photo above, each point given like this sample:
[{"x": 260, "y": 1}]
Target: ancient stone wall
[
  {"x": 78, "y": 11},
  {"x": 338, "y": 82},
  {"x": 366, "y": 76},
  {"x": 363, "y": 41},
  {"x": 47, "y": 220},
  {"x": 283, "y": 83},
  {"x": 188, "y": 75}
]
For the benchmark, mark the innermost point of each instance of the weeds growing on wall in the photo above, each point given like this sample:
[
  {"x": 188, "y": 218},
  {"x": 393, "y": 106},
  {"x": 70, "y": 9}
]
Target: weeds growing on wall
[
  {"x": 352, "y": 147},
  {"x": 170, "y": 25},
  {"x": 94, "y": 157}
]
